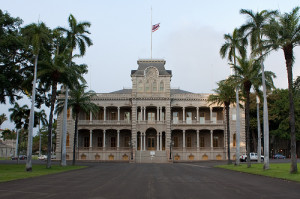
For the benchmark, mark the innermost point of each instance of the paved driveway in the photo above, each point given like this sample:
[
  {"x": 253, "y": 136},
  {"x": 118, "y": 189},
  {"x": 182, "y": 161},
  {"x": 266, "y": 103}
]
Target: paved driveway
[{"x": 180, "y": 180}]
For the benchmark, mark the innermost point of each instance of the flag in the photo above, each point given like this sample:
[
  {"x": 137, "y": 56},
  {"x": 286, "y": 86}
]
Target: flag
[{"x": 155, "y": 27}]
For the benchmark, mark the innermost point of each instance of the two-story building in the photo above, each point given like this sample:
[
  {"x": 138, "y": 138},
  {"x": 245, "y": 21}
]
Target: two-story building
[{"x": 152, "y": 123}]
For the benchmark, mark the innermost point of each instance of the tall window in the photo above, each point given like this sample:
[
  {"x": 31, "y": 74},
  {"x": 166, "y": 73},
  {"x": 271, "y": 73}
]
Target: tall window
[
  {"x": 68, "y": 140},
  {"x": 113, "y": 142},
  {"x": 202, "y": 118},
  {"x": 189, "y": 117},
  {"x": 216, "y": 141},
  {"x": 147, "y": 86},
  {"x": 126, "y": 140},
  {"x": 127, "y": 116},
  {"x": 113, "y": 116},
  {"x": 99, "y": 143},
  {"x": 161, "y": 86},
  {"x": 234, "y": 140},
  {"x": 214, "y": 117},
  {"x": 202, "y": 141},
  {"x": 176, "y": 143},
  {"x": 86, "y": 141},
  {"x": 151, "y": 116},
  {"x": 189, "y": 141},
  {"x": 154, "y": 86},
  {"x": 175, "y": 117}
]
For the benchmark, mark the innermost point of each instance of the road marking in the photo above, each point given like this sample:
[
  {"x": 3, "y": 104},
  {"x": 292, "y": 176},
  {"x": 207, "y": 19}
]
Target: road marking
[{"x": 193, "y": 165}]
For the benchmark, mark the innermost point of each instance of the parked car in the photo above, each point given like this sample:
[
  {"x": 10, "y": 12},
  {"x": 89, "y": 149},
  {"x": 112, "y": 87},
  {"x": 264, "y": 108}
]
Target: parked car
[
  {"x": 253, "y": 157},
  {"x": 21, "y": 157},
  {"x": 45, "y": 157},
  {"x": 279, "y": 156},
  {"x": 42, "y": 157}
]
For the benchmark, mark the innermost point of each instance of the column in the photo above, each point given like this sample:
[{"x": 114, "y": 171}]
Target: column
[
  {"x": 183, "y": 139},
  {"x": 157, "y": 141},
  {"x": 91, "y": 116},
  {"x": 91, "y": 138},
  {"x": 161, "y": 115},
  {"x": 197, "y": 109},
  {"x": 104, "y": 132},
  {"x": 104, "y": 112},
  {"x": 144, "y": 113},
  {"x": 198, "y": 139},
  {"x": 160, "y": 141},
  {"x": 210, "y": 109},
  {"x": 118, "y": 138},
  {"x": 157, "y": 113},
  {"x": 145, "y": 141},
  {"x": 141, "y": 141},
  {"x": 118, "y": 113},
  {"x": 211, "y": 139},
  {"x": 183, "y": 114}
]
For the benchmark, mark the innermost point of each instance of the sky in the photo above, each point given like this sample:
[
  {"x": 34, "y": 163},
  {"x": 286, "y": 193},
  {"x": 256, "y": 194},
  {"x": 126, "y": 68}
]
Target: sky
[{"x": 189, "y": 38}]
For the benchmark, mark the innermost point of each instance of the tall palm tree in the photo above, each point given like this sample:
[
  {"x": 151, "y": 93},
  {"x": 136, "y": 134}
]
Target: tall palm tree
[
  {"x": 41, "y": 118},
  {"x": 3, "y": 118},
  {"x": 225, "y": 95},
  {"x": 79, "y": 101},
  {"x": 76, "y": 36},
  {"x": 255, "y": 28},
  {"x": 248, "y": 74},
  {"x": 235, "y": 42},
  {"x": 285, "y": 34},
  {"x": 36, "y": 35},
  {"x": 56, "y": 71},
  {"x": 20, "y": 116}
]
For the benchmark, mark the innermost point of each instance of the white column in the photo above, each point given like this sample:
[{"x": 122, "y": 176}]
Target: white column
[
  {"x": 183, "y": 139},
  {"x": 157, "y": 141},
  {"x": 144, "y": 113},
  {"x": 104, "y": 112},
  {"x": 161, "y": 115},
  {"x": 211, "y": 139},
  {"x": 91, "y": 116},
  {"x": 118, "y": 138},
  {"x": 161, "y": 144},
  {"x": 91, "y": 138},
  {"x": 197, "y": 139},
  {"x": 197, "y": 109},
  {"x": 210, "y": 109},
  {"x": 141, "y": 141},
  {"x": 118, "y": 113},
  {"x": 183, "y": 114},
  {"x": 145, "y": 141},
  {"x": 157, "y": 113},
  {"x": 104, "y": 132}
]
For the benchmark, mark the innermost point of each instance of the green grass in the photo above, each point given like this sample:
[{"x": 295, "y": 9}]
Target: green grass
[
  {"x": 10, "y": 172},
  {"x": 278, "y": 170}
]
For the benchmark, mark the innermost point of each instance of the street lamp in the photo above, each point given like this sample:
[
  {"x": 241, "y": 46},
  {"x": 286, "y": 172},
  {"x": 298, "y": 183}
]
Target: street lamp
[
  {"x": 131, "y": 148},
  {"x": 171, "y": 145}
]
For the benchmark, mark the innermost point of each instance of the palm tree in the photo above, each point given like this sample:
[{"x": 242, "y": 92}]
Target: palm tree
[
  {"x": 235, "y": 42},
  {"x": 76, "y": 36},
  {"x": 41, "y": 118},
  {"x": 20, "y": 116},
  {"x": 56, "y": 71},
  {"x": 285, "y": 34},
  {"x": 255, "y": 27},
  {"x": 36, "y": 35},
  {"x": 248, "y": 74},
  {"x": 79, "y": 101},
  {"x": 225, "y": 94},
  {"x": 3, "y": 118}
]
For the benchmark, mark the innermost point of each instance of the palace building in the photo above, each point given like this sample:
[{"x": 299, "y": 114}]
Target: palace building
[{"x": 152, "y": 123}]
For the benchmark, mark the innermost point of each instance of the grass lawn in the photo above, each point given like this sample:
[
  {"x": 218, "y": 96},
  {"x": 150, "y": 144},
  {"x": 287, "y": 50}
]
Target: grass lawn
[
  {"x": 277, "y": 170},
  {"x": 10, "y": 172}
]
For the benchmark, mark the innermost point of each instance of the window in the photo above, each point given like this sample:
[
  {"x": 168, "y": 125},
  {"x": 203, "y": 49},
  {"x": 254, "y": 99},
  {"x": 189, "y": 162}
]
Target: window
[
  {"x": 86, "y": 142},
  {"x": 151, "y": 116},
  {"x": 214, "y": 117},
  {"x": 202, "y": 141},
  {"x": 147, "y": 86},
  {"x": 189, "y": 141},
  {"x": 189, "y": 117},
  {"x": 113, "y": 116},
  {"x": 202, "y": 118},
  {"x": 176, "y": 143},
  {"x": 99, "y": 143},
  {"x": 234, "y": 140},
  {"x": 127, "y": 116},
  {"x": 113, "y": 142},
  {"x": 69, "y": 114},
  {"x": 140, "y": 86},
  {"x": 216, "y": 141},
  {"x": 100, "y": 114},
  {"x": 68, "y": 140},
  {"x": 127, "y": 141},
  {"x": 175, "y": 117},
  {"x": 161, "y": 86},
  {"x": 154, "y": 86}
]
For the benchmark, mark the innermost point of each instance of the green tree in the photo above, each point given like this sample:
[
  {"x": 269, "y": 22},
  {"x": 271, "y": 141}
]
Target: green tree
[
  {"x": 79, "y": 101},
  {"x": 3, "y": 118},
  {"x": 76, "y": 36},
  {"x": 225, "y": 95},
  {"x": 255, "y": 29},
  {"x": 36, "y": 35},
  {"x": 285, "y": 34},
  {"x": 233, "y": 43},
  {"x": 42, "y": 118},
  {"x": 248, "y": 74}
]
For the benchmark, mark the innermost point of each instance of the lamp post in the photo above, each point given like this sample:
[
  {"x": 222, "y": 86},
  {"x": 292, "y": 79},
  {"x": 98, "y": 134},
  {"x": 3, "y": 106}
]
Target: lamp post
[
  {"x": 131, "y": 149},
  {"x": 171, "y": 145}
]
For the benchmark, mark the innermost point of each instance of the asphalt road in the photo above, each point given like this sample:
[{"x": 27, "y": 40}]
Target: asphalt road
[{"x": 178, "y": 180}]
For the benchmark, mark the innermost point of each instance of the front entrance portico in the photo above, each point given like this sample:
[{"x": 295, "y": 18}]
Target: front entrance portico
[{"x": 151, "y": 138}]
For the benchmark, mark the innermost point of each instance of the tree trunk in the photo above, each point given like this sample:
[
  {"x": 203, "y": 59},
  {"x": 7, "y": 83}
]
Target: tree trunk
[
  {"x": 288, "y": 53},
  {"x": 238, "y": 125},
  {"x": 75, "y": 139},
  {"x": 258, "y": 134},
  {"x": 228, "y": 132},
  {"x": 53, "y": 99},
  {"x": 31, "y": 119},
  {"x": 247, "y": 87}
]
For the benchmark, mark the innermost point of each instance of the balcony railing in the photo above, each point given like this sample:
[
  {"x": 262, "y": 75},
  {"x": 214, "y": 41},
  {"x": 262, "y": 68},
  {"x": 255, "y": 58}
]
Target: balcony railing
[
  {"x": 85, "y": 122},
  {"x": 179, "y": 122}
]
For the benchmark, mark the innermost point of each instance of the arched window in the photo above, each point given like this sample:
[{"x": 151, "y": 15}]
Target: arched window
[
  {"x": 161, "y": 86},
  {"x": 154, "y": 86},
  {"x": 147, "y": 86},
  {"x": 140, "y": 86},
  {"x": 234, "y": 140},
  {"x": 68, "y": 140}
]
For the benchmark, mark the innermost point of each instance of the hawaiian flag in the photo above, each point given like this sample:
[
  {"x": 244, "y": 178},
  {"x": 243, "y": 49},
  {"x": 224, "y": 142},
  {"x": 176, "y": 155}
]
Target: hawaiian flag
[{"x": 155, "y": 27}]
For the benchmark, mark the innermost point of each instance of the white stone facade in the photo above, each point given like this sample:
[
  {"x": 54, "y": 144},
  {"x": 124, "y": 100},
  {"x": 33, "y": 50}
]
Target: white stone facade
[{"x": 152, "y": 123}]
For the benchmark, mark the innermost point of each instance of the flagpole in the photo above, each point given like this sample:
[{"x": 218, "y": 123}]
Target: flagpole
[{"x": 151, "y": 31}]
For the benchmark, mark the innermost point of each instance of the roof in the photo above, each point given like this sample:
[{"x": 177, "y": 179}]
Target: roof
[
  {"x": 179, "y": 91},
  {"x": 122, "y": 91},
  {"x": 157, "y": 63}
]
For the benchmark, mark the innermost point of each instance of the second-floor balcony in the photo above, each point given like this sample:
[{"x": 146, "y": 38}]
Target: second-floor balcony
[
  {"x": 93, "y": 122},
  {"x": 204, "y": 122}
]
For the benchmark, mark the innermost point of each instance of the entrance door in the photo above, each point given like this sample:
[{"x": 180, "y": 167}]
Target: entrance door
[{"x": 151, "y": 143}]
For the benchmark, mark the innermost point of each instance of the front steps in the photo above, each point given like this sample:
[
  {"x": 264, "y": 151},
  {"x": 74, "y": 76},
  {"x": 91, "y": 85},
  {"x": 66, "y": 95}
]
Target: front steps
[{"x": 151, "y": 157}]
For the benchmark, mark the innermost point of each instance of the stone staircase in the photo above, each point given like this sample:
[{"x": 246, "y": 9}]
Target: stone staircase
[{"x": 151, "y": 157}]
